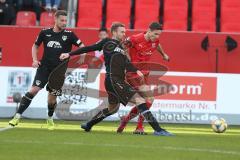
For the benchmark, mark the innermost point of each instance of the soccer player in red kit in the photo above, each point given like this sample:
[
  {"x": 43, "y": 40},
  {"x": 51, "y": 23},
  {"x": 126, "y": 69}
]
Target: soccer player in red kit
[{"x": 140, "y": 49}]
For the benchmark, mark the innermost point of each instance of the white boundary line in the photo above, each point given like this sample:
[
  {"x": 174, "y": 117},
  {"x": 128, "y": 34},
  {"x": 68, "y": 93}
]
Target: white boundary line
[
  {"x": 6, "y": 128},
  {"x": 229, "y": 152}
]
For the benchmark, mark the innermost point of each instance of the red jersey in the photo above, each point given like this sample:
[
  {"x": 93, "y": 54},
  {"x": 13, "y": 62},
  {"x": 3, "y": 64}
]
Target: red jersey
[{"x": 140, "y": 50}]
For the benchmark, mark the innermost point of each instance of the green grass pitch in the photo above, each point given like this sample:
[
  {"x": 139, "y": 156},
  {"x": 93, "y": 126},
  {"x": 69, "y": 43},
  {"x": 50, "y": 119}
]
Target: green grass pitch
[{"x": 32, "y": 141}]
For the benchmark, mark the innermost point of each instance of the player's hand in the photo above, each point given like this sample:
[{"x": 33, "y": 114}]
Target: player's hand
[
  {"x": 64, "y": 56},
  {"x": 166, "y": 57},
  {"x": 36, "y": 64},
  {"x": 82, "y": 59},
  {"x": 141, "y": 75}
]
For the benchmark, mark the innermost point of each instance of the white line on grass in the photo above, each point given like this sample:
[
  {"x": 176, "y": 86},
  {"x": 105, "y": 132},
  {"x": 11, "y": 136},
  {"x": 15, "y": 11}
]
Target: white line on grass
[
  {"x": 6, "y": 128},
  {"x": 229, "y": 152}
]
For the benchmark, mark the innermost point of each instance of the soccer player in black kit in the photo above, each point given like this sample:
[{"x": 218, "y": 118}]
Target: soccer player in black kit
[
  {"x": 118, "y": 90},
  {"x": 56, "y": 40}
]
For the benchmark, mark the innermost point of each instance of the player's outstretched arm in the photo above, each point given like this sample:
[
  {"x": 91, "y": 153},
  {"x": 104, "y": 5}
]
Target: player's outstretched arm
[
  {"x": 163, "y": 54},
  {"x": 83, "y": 50}
]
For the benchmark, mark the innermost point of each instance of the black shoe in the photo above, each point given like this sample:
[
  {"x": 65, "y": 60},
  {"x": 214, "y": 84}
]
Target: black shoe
[{"x": 86, "y": 127}]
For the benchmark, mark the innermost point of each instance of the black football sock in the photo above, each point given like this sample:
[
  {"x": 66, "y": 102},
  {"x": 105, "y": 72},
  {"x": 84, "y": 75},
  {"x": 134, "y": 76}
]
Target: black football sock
[
  {"x": 143, "y": 109},
  {"x": 25, "y": 102},
  {"x": 99, "y": 117},
  {"x": 51, "y": 109}
]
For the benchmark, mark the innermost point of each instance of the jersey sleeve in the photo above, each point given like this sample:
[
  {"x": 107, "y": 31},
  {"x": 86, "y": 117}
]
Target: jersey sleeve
[
  {"x": 119, "y": 60},
  {"x": 40, "y": 38},
  {"x": 130, "y": 67},
  {"x": 94, "y": 47},
  {"x": 75, "y": 40}
]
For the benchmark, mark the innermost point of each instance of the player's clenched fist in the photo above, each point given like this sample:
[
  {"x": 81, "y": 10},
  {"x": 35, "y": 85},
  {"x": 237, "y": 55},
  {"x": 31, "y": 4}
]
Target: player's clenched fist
[{"x": 64, "y": 56}]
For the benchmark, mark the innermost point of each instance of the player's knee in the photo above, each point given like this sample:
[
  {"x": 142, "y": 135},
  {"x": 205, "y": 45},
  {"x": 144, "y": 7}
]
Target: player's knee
[
  {"x": 34, "y": 90},
  {"x": 113, "y": 108},
  {"x": 52, "y": 101}
]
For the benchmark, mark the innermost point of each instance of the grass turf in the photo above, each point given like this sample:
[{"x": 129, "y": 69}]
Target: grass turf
[{"x": 31, "y": 140}]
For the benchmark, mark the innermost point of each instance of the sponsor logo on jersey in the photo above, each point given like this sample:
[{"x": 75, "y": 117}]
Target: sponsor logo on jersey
[
  {"x": 117, "y": 49},
  {"x": 146, "y": 53},
  {"x": 48, "y": 35},
  {"x": 153, "y": 45},
  {"x": 54, "y": 44},
  {"x": 78, "y": 41},
  {"x": 38, "y": 82},
  {"x": 64, "y": 38},
  {"x": 67, "y": 31}
]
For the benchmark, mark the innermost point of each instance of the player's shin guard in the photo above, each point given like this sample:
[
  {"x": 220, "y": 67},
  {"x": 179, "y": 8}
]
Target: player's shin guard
[
  {"x": 143, "y": 109},
  {"x": 25, "y": 102},
  {"x": 51, "y": 109},
  {"x": 99, "y": 117},
  {"x": 141, "y": 117}
]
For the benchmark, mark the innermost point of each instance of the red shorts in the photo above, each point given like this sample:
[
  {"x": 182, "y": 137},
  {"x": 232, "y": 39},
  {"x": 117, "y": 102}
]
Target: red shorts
[{"x": 135, "y": 80}]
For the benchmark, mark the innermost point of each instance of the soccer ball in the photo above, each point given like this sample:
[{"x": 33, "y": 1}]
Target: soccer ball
[{"x": 219, "y": 125}]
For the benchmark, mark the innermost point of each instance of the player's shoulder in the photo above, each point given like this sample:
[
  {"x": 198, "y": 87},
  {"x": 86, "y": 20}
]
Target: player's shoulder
[
  {"x": 111, "y": 41},
  {"x": 46, "y": 30},
  {"x": 137, "y": 37},
  {"x": 68, "y": 32},
  {"x": 105, "y": 41},
  {"x": 110, "y": 44}
]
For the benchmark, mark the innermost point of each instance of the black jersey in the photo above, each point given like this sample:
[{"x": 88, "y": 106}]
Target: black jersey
[
  {"x": 116, "y": 61},
  {"x": 56, "y": 43}
]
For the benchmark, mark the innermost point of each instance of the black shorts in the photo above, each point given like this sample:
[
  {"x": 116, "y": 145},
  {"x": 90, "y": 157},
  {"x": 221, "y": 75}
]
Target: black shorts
[
  {"x": 41, "y": 77},
  {"x": 118, "y": 91}
]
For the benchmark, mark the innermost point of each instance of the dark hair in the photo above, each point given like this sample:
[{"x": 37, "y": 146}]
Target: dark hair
[
  {"x": 60, "y": 13},
  {"x": 116, "y": 25},
  {"x": 103, "y": 29},
  {"x": 155, "y": 26}
]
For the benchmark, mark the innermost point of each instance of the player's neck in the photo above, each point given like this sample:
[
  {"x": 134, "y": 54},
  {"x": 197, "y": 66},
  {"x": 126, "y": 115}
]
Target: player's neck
[
  {"x": 113, "y": 37},
  {"x": 146, "y": 36},
  {"x": 57, "y": 29}
]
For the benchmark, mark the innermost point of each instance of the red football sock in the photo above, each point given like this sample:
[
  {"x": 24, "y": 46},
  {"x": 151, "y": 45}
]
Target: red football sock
[
  {"x": 141, "y": 118},
  {"x": 149, "y": 104},
  {"x": 140, "y": 122},
  {"x": 133, "y": 113}
]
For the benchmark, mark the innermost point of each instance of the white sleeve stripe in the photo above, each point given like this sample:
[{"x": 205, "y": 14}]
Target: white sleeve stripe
[{"x": 79, "y": 42}]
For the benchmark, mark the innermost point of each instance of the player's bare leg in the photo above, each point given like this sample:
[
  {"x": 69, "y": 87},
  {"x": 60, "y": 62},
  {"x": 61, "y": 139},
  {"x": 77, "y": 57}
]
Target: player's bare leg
[
  {"x": 143, "y": 109},
  {"x": 111, "y": 109},
  {"x": 52, "y": 103},
  {"x": 24, "y": 104},
  {"x": 146, "y": 92}
]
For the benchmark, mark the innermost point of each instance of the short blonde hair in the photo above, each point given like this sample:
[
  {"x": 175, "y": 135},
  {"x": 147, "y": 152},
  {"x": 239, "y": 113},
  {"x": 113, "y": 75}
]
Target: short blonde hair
[
  {"x": 116, "y": 25},
  {"x": 60, "y": 13}
]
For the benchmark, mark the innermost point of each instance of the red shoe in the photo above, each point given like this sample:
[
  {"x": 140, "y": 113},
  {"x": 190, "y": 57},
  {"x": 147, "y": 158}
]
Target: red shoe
[
  {"x": 139, "y": 131},
  {"x": 122, "y": 125}
]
